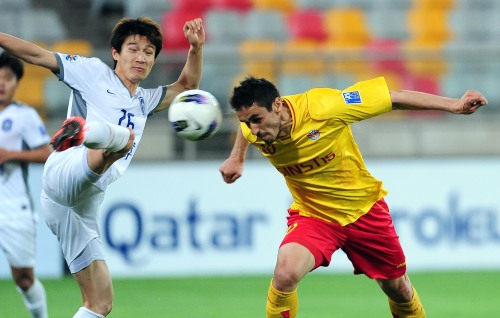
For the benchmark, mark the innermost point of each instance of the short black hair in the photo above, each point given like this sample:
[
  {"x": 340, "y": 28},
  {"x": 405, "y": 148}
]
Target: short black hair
[
  {"x": 15, "y": 64},
  {"x": 254, "y": 90},
  {"x": 143, "y": 26}
]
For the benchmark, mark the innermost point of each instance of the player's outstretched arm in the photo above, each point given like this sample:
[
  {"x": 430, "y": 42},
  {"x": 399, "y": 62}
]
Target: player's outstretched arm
[
  {"x": 38, "y": 155},
  {"x": 190, "y": 76},
  {"x": 29, "y": 52},
  {"x": 232, "y": 168},
  {"x": 467, "y": 104}
]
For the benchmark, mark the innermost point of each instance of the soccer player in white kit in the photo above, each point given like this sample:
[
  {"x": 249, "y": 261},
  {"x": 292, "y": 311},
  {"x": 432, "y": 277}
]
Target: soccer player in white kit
[
  {"x": 23, "y": 139},
  {"x": 106, "y": 118}
]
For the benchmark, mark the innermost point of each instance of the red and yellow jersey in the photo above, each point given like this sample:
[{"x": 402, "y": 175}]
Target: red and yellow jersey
[{"x": 321, "y": 163}]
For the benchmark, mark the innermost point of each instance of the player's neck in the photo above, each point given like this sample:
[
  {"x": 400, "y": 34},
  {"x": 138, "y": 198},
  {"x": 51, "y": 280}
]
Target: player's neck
[{"x": 286, "y": 122}]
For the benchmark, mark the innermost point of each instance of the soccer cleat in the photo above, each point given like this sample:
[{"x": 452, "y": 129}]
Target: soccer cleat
[{"x": 70, "y": 134}]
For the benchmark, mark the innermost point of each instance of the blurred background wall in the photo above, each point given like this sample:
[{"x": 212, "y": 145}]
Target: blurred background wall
[{"x": 438, "y": 46}]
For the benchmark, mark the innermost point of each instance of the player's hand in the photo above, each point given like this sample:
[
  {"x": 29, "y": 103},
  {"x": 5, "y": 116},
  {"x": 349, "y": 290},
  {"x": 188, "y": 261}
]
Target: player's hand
[
  {"x": 194, "y": 32},
  {"x": 471, "y": 101},
  {"x": 231, "y": 170}
]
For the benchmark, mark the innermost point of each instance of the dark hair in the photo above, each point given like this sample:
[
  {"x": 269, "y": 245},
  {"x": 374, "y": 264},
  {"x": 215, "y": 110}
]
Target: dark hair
[
  {"x": 143, "y": 26},
  {"x": 15, "y": 64},
  {"x": 254, "y": 90}
]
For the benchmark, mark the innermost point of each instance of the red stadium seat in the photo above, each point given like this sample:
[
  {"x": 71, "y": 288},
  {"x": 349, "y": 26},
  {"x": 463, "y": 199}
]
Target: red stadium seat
[
  {"x": 306, "y": 24},
  {"x": 172, "y": 24},
  {"x": 191, "y": 5},
  {"x": 239, "y": 5}
]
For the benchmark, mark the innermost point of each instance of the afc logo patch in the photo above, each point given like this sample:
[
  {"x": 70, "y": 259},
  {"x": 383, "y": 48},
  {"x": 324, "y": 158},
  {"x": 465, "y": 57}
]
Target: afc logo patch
[
  {"x": 72, "y": 58},
  {"x": 352, "y": 97}
]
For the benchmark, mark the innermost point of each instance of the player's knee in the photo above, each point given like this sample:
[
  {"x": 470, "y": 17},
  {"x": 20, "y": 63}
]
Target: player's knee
[
  {"x": 24, "y": 281},
  {"x": 285, "y": 278},
  {"x": 102, "y": 307},
  {"x": 399, "y": 290}
]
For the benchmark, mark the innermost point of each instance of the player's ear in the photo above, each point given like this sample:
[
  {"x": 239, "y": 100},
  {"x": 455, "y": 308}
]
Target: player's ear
[{"x": 277, "y": 104}]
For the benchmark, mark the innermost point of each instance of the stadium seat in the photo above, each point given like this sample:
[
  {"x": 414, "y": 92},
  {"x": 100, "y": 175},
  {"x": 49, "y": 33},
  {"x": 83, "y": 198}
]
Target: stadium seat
[
  {"x": 172, "y": 24},
  {"x": 306, "y": 24},
  {"x": 191, "y": 5},
  {"x": 423, "y": 58},
  {"x": 259, "y": 58},
  {"x": 149, "y": 8},
  {"x": 73, "y": 46},
  {"x": 301, "y": 56},
  {"x": 30, "y": 90},
  {"x": 434, "y": 4},
  {"x": 467, "y": 34},
  {"x": 387, "y": 23},
  {"x": 428, "y": 26},
  {"x": 41, "y": 25},
  {"x": 291, "y": 84},
  {"x": 285, "y": 6},
  {"x": 314, "y": 4},
  {"x": 265, "y": 25},
  {"x": 346, "y": 27},
  {"x": 240, "y": 5},
  {"x": 224, "y": 26}
]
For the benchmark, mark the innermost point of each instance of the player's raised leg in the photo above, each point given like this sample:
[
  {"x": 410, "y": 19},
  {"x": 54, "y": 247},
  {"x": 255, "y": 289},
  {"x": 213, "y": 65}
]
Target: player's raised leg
[{"x": 95, "y": 135}]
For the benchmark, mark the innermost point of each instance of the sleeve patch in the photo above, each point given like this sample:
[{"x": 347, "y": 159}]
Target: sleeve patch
[{"x": 352, "y": 97}]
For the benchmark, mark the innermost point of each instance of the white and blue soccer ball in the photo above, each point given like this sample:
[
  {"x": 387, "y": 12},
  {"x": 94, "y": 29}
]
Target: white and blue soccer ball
[{"x": 195, "y": 115}]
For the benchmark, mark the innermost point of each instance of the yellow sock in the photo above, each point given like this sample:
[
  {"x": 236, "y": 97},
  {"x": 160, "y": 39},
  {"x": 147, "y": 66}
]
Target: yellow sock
[
  {"x": 411, "y": 309},
  {"x": 281, "y": 304}
]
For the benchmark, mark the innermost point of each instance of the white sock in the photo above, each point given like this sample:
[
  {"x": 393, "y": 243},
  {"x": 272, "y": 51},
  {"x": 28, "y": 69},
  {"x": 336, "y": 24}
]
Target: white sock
[
  {"x": 101, "y": 135},
  {"x": 35, "y": 300},
  {"x": 84, "y": 312}
]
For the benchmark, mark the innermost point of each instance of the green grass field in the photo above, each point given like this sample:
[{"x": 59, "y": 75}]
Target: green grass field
[{"x": 444, "y": 295}]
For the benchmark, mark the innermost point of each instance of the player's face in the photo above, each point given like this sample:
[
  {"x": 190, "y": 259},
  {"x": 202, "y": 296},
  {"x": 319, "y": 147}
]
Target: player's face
[
  {"x": 263, "y": 123},
  {"x": 135, "y": 60},
  {"x": 8, "y": 86}
]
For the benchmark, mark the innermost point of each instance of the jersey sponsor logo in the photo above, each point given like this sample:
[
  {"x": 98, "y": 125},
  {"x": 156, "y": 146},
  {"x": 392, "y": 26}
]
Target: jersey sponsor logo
[
  {"x": 313, "y": 134},
  {"x": 110, "y": 92},
  {"x": 352, "y": 97},
  {"x": 310, "y": 165},
  {"x": 7, "y": 124},
  {"x": 72, "y": 58}
]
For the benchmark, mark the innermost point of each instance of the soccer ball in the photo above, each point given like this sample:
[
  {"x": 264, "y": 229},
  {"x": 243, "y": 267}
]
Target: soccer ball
[{"x": 195, "y": 115}]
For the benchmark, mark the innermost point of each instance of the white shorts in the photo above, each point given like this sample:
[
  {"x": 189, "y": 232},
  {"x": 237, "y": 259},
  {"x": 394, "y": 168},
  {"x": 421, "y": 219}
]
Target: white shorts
[
  {"x": 70, "y": 200},
  {"x": 18, "y": 238}
]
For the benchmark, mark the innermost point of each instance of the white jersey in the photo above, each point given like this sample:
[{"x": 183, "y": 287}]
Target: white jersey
[
  {"x": 98, "y": 94},
  {"x": 20, "y": 129}
]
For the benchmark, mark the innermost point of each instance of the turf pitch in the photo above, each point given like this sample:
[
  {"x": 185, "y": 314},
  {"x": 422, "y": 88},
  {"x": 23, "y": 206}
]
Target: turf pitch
[{"x": 444, "y": 295}]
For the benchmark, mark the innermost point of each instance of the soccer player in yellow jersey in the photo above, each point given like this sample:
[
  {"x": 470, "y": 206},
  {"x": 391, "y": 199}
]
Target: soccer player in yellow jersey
[{"x": 337, "y": 203}]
